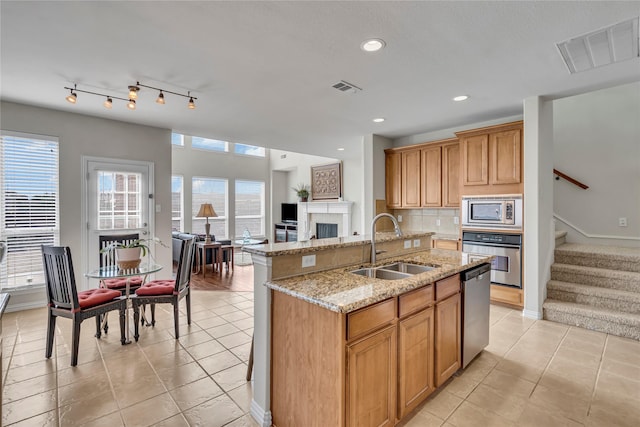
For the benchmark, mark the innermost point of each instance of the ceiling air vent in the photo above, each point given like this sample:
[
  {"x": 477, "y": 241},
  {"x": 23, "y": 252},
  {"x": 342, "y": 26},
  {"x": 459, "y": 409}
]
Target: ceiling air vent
[
  {"x": 343, "y": 86},
  {"x": 616, "y": 43}
]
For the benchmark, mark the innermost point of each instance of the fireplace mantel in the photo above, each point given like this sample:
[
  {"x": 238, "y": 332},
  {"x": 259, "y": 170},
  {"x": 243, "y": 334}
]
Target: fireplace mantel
[{"x": 306, "y": 209}]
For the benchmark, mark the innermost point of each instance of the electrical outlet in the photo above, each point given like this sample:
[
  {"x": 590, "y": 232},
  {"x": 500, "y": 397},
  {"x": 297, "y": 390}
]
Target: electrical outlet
[
  {"x": 158, "y": 208},
  {"x": 438, "y": 222},
  {"x": 416, "y": 243},
  {"x": 308, "y": 261},
  {"x": 456, "y": 220},
  {"x": 399, "y": 218},
  {"x": 407, "y": 244},
  {"x": 622, "y": 222}
]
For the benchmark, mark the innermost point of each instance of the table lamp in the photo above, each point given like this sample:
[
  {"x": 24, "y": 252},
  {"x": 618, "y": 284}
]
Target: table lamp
[{"x": 206, "y": 211}]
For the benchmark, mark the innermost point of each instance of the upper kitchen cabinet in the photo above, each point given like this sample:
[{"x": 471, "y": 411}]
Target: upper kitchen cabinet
[
  {"x": 491, "y": 159},
  {"x": 393, "y": 180},
  {"x": 429, "y": 175}
]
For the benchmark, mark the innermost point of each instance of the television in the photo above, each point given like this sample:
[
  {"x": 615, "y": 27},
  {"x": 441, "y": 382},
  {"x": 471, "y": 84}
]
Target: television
[{"x": 289, "y": 212}]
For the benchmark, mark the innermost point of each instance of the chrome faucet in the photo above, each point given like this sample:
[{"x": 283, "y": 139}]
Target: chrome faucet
[{"x": 396, "y": 228}]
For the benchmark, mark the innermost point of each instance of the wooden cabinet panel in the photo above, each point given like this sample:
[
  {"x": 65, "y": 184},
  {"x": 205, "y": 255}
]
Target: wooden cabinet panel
[
  {"x": 451, "y": 245},
  {"x": 447, "y": 338},
  {"x": 415, "y": 360},
  {"x": 393, "y": 181},
  {"x": 431, "y": 177},
  {"x": 451, "y": 175},
  {"x": 505, "y": 157},
  {"x": 507, "y": 295},
  {"x": 410, "y": 173},
  {"x": 370, "y": 318},
  {"x": 475, "y": 160},
  {"x": 415, "y": 300},
  {"x": 447, "y": 287},
  {"x": 372, "y": 380}
]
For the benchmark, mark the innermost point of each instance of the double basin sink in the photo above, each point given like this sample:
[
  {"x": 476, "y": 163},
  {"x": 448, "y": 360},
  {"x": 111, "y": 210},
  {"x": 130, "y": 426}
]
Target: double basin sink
[{"x": 395, "y": 271}]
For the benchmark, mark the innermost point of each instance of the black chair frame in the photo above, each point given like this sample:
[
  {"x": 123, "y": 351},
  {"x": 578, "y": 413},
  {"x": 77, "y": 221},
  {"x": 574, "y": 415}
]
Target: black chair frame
[
  {"x": 62, "y": 295},
  {"x": 181, "y": 290}
]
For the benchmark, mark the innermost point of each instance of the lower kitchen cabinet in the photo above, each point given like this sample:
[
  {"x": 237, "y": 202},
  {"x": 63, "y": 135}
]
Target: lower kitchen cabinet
[
  {"x": 447, "y": 338},
  {"x": 371, "y": 380},
  {"x": 415, "y": 360}
]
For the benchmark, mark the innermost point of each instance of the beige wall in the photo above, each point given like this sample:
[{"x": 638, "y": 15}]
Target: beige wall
[{"x": 81, "y": 135}]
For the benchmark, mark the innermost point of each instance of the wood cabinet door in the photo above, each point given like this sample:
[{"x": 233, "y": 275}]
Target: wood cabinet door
[
  {"x": 372, "y": 380},
  {"x": 451, "y": 175},
  {"x": 431, "y": 177},
  {"x": 451, "y": 245},
  {"x": 447, "y": 342},
  {"x": 505, "y": 157},
  {"x": 411, "y": 179},
  {"x": 415, "y": 360},
  {"x": 393, "y": 180},
  {"x": 475, "y": 160}
]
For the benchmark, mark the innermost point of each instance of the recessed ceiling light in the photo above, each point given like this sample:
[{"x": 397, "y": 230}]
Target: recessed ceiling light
[
  {"x": 378, "y": 120},
  {"x": 372, "y": 45},
  {"x": 461, "y": 98},
  {"x": 340, "y": 149}
]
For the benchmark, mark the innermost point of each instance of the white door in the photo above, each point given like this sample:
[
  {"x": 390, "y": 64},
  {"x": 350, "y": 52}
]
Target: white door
[{"x": 117, "y": 201}]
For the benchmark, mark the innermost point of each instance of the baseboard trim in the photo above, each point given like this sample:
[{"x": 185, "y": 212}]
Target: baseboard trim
[
  {"x": 262, "y": 418},
  {"x": 530, "y": 314},
  {"x": 25, "y": 306}
]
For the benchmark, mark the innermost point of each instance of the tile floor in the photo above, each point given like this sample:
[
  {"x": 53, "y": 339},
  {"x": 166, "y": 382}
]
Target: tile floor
[{"x": 533, "y": 373}]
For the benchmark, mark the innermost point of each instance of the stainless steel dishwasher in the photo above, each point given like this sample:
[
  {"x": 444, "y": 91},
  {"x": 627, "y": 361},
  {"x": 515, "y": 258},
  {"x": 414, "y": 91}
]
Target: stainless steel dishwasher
[{"x": 476, "y": 284}]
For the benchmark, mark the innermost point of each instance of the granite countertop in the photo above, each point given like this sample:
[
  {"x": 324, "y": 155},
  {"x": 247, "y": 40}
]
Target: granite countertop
[
  {"x": 340, "y": 291},
  {"x": 443, "y": 236},
  {"x": 292, "y": 248}
]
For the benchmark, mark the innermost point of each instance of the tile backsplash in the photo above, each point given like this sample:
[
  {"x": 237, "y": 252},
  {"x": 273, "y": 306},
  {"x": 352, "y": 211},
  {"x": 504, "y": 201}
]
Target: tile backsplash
[{"x": 436, "y": 220}]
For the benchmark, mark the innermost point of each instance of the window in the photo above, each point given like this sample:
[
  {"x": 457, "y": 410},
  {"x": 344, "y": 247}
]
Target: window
[
  {"x": 30, "y": 206},
  {"x": 177, "y": 219},
  {"x": 209, "y": 144},
  {"x": 249, "y": 150},
  {"x": 119, "y": 200},
  {"x": 250, "y": 207},
  {"x": 214, "y": 191},
  {"x": 177, "y": 139}
]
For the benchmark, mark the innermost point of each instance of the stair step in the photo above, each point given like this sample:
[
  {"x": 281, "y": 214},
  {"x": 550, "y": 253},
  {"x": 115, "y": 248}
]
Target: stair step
[
  {"x": 600, "y": 277},
  {"x": 561, "y": 238},
  {"x": 594, "y": 318},
  {"x": 609, "y": 257},
  {"x": 594, "y": 296}
]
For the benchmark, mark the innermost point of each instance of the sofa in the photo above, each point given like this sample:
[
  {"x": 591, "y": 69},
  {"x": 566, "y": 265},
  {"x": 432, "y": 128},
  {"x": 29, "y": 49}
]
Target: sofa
[{"x": 176, "y": 244}]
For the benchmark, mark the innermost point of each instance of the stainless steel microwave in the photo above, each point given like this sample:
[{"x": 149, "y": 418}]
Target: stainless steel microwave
[{"x": 498, "y": 212}]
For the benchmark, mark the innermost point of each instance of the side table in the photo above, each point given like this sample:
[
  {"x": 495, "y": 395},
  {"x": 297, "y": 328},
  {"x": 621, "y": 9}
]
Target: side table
[{"x": 215, "y": 255}]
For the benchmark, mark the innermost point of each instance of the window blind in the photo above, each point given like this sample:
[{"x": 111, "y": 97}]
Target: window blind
[{"x": 29, "y": 205}]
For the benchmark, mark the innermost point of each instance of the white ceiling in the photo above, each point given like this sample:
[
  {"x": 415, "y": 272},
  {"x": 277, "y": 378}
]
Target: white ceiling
[{"x": 263, "y": 71}]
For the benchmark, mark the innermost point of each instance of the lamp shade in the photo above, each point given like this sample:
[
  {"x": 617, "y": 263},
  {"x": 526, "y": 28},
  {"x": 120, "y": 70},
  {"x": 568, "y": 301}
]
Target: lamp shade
[{"x": 206, "y": 211}]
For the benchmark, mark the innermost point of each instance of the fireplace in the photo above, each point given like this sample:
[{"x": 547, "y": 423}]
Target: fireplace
[{"x": 325, "y": 230}]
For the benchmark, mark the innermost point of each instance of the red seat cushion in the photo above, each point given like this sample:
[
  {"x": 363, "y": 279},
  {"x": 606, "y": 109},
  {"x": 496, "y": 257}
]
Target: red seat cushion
[
  {"x": 122, "y": 283},
  {"x": 94, "y": 297},
  {"x": 157, "y": 287}
]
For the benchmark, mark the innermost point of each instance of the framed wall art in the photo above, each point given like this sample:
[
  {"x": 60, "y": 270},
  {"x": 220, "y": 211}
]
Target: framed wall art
[{"x": 326, "y": 181}]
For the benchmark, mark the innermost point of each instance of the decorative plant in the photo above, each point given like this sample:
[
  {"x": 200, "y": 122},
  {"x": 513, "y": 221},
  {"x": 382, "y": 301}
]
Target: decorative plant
[
  {"x": 302, "y": 190},
  {"x": 137, "y": 243}
]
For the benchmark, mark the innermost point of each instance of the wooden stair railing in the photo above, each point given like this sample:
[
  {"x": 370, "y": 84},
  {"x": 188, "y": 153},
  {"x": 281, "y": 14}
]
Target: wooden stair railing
[{"x": 559, "y": 175}]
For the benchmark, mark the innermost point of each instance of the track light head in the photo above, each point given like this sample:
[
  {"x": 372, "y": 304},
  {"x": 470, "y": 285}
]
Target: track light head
[
  {"x": 108, "y": 103},
  {"x": 192, "y": 104},
  {"x": 131, "y": 105},
  {"x": 133, "y": 92},
  {"x": 72, "y": 97},
  {"x": 160, "y": 99}
]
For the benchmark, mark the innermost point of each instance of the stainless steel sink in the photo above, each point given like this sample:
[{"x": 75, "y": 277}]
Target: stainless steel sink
[
  {"x": 405, "y": 267},
  {"x": 378, "y": 273}
]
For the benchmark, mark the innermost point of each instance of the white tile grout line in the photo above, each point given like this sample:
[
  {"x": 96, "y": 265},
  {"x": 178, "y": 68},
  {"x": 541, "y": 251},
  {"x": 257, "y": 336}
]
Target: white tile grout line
[{"x": 595, "y": 384}]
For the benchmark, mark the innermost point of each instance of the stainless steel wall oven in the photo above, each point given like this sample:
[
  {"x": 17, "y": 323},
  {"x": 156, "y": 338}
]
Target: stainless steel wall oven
[{"x": 506, "y": 267}]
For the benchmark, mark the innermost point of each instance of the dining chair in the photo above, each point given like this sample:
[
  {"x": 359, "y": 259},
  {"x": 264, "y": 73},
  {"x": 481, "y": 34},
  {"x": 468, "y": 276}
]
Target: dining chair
[
  {"x": 66, "y": 301},
  {"x": 167, "y": 291}
]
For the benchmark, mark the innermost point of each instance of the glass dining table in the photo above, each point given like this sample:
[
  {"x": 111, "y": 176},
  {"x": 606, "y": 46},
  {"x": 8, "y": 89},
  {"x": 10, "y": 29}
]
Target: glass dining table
[{"x": 115, "y": 272}]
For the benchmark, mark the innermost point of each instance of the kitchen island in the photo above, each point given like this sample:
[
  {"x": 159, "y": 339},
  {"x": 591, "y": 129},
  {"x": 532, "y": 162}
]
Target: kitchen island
[{"x": 335, "y": 348}]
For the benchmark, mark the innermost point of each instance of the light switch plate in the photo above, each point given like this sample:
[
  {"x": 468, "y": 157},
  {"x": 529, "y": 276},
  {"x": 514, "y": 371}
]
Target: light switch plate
[
  {"x": 456, "y": 220},
  {"x": 399, "y": 218},
  {"x": 416, "y": 243},
  {"x": 438, "y": 222},
  {"x": 407, "y": 244},
  {"x": 308, "y": 261},
  {"x": 158, "y": 208},
  {"x": 622, "y": 222}
]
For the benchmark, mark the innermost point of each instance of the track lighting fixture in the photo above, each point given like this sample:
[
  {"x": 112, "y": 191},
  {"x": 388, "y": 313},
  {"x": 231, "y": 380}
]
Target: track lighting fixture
[{"x": 131, "y": 99}]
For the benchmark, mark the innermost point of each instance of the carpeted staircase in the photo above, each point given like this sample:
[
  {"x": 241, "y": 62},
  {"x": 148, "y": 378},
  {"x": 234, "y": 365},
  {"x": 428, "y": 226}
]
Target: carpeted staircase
[{"x": 595, "y": 287}]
